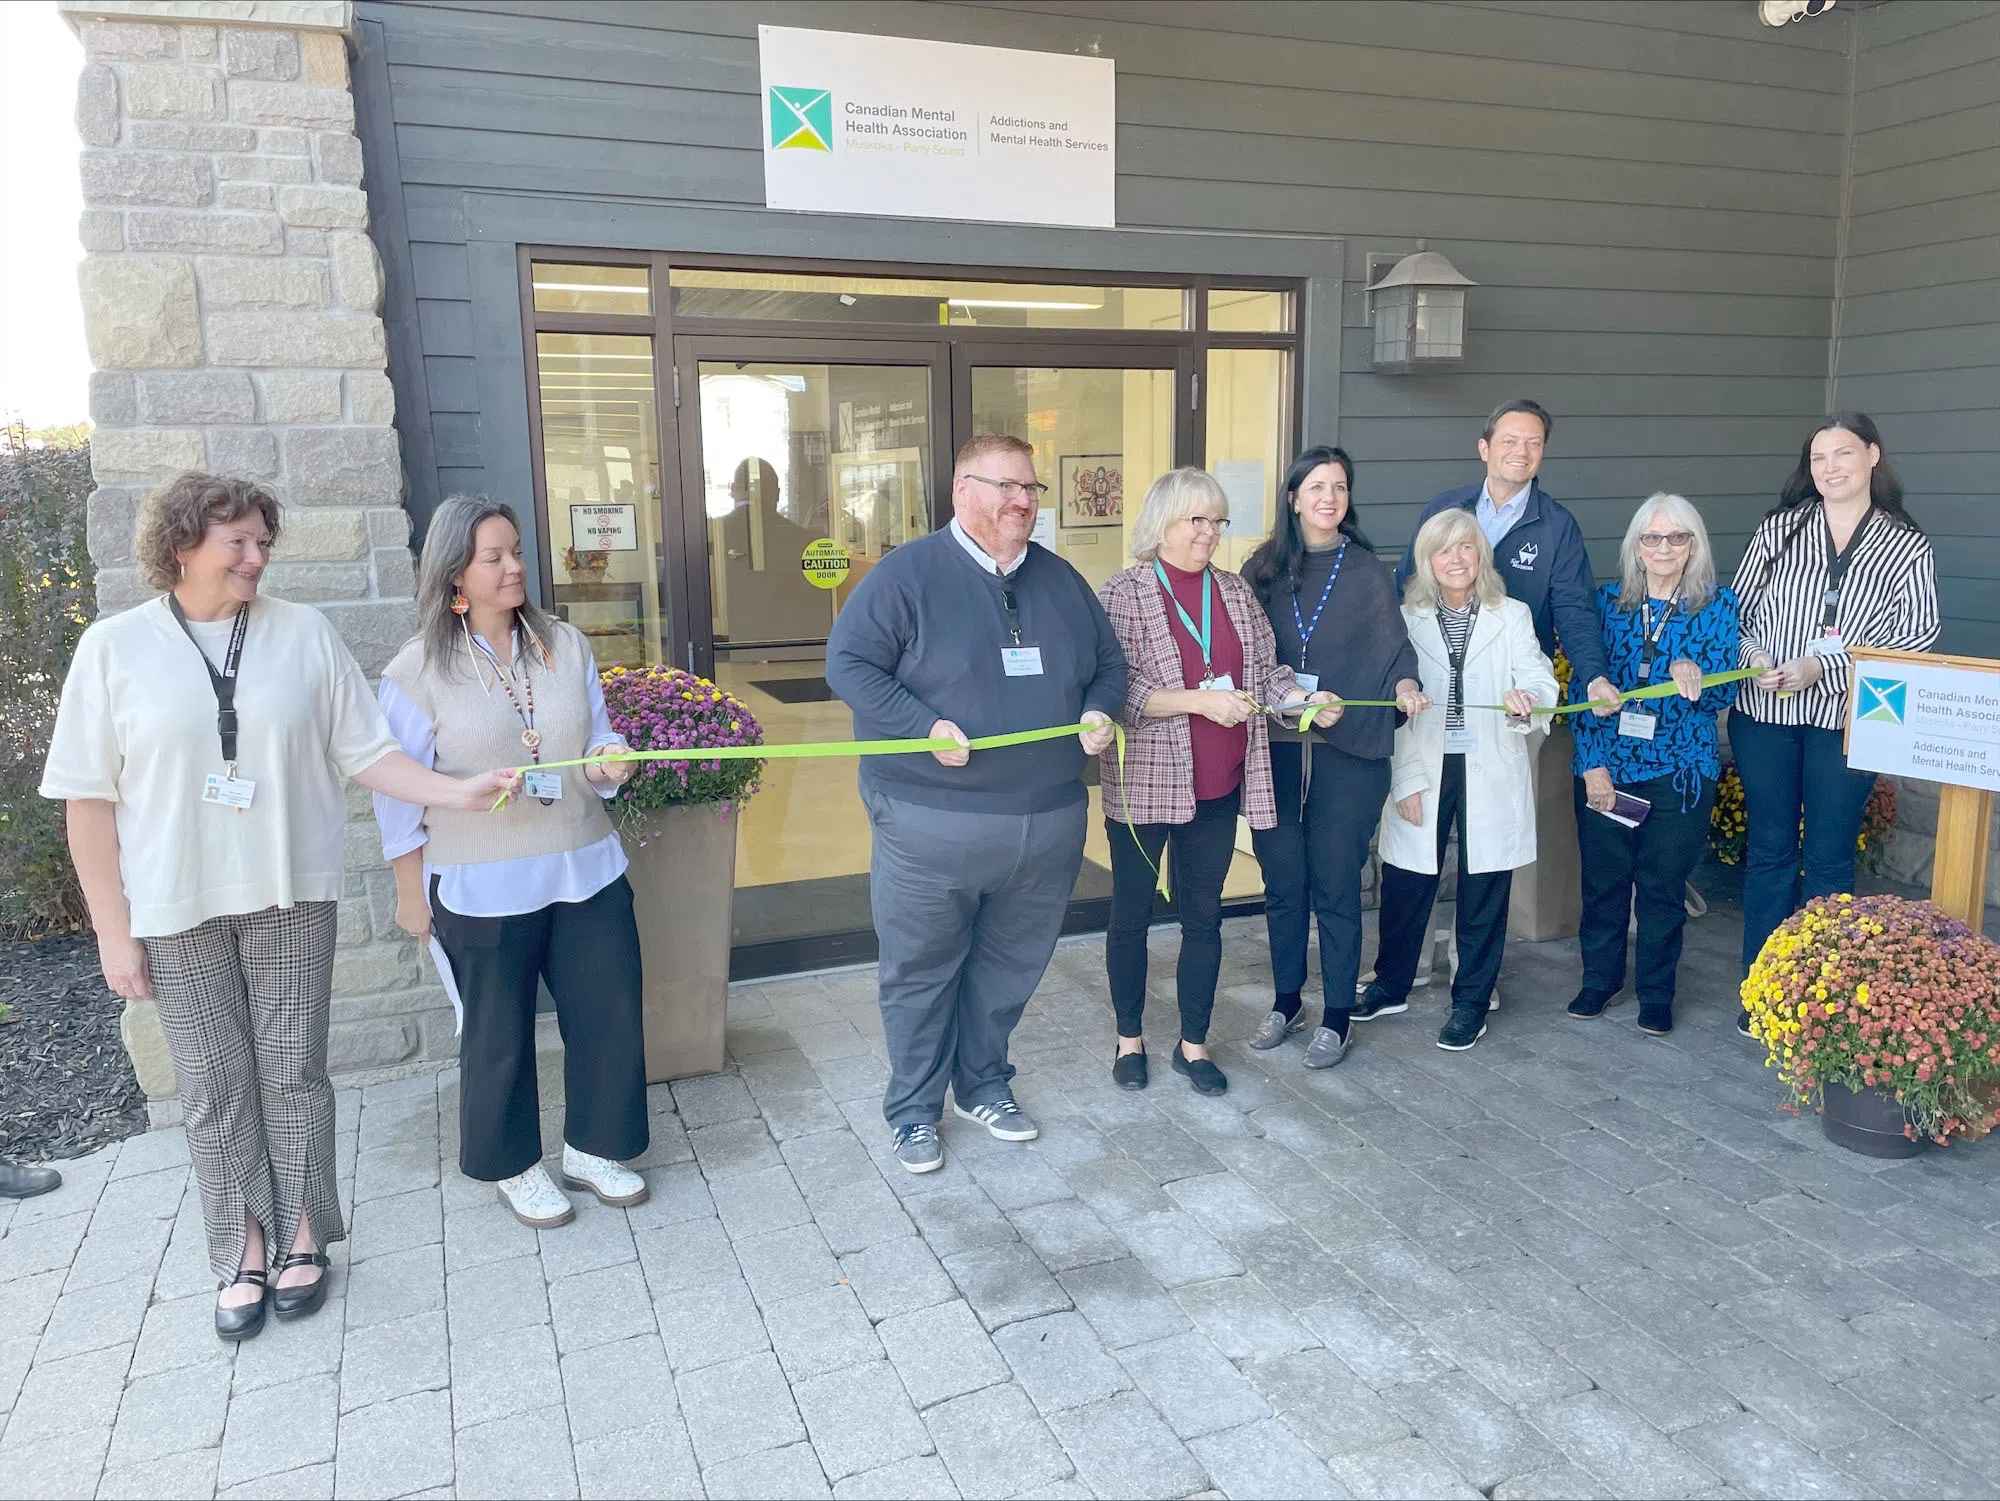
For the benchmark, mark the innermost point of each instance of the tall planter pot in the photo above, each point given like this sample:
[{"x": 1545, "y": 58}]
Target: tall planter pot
[
  {"x": 1869, "y": 1121},
  {"x": 1548, "y": 896},
  {"x": 684, "y": 885}
]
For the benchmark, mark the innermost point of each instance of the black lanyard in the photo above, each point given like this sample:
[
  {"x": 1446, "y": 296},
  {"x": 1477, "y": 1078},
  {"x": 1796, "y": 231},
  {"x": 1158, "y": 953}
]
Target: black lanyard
[
  {"x": 1306, "y": 629},
  {"x": 1650, "y": 636},
  {"x": 1456, "y": 657},
  {"x": 1837, "y": 564},
  {"x": 223, "y": 682}
]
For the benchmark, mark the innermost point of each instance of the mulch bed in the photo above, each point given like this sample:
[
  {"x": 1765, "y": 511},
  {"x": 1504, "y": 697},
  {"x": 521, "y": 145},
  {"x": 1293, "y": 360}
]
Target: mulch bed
[{"x": 66, "y": 1086}]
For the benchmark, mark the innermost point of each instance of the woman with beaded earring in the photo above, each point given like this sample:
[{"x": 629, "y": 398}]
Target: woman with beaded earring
[{"x": 535, "y": 890}]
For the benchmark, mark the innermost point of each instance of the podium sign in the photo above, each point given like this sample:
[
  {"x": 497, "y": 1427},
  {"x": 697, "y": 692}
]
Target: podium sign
[{"x": 1936, "y": 718}]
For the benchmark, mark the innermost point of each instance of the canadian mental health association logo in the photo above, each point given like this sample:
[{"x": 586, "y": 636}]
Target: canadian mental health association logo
[
  {"x": 801, "y": 119},
  {"x": 1882, "y": 700}
]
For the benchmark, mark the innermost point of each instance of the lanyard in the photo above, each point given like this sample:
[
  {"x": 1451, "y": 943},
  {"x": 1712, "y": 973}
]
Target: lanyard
[
  {"x": 530, "y": 736},
  {"x": 223, "y": 682},
  {"x": 1456, "y": 656},
  {"x": 1202, "y": 636},
  {"x": 1651, "y": 635},
  {"x": 1306, "y": 630},
  {"x": 1013, "y": 609},
  {"x": 1837, "y": 564}
]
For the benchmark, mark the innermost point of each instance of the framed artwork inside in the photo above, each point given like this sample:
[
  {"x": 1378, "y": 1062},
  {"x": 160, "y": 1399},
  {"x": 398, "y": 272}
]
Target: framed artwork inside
[{"x": 1091, "y": 490}]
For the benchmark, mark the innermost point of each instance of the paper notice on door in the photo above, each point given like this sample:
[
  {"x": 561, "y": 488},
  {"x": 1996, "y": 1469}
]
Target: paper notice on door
[
  {"x": 1045, "y": 527},
  {"x": 450, "y": 982},
  {"x": 1242, "y": 480}
]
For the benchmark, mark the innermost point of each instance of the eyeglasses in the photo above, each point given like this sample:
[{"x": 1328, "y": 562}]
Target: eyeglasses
[
  {"x": 1013, "y": 489},
  {"x": 1675, "y": 540},
  {"x": 1216, "y": 524}
]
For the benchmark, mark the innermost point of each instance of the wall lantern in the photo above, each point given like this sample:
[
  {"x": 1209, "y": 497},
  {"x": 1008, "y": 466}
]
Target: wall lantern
[{"x": 1418, "y": 307}]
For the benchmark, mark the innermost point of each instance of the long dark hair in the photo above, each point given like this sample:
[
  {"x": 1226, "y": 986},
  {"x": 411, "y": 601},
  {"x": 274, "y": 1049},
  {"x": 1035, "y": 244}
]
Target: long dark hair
[
  {"x": 1282, "y": 551},
  {"x": 448, "y": 552},
  {"x": 1885, "y": 489}
]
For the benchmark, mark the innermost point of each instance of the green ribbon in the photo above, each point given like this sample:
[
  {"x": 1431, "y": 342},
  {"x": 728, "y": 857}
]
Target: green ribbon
[{"x": 1657, "y": 690}]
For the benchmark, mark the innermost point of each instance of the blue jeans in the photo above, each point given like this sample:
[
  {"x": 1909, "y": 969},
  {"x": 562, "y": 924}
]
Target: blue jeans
[{"x": 1793, "y": 772}]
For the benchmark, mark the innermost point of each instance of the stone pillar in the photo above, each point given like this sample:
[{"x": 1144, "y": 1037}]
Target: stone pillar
[{"x": 233, "y": 304}]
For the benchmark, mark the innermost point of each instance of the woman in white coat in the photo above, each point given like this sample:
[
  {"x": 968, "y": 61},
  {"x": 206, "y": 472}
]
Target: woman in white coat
[{"x": 1460, "y": 765}]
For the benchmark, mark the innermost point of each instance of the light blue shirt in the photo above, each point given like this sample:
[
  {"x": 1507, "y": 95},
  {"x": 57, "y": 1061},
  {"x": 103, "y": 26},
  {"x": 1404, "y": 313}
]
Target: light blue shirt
[
  {"x": 495, "y": 888},
  {"x": 1497, "y": 521}
]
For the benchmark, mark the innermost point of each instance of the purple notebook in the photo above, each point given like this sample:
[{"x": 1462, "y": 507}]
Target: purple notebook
[{"x": 1626, "y": 809}]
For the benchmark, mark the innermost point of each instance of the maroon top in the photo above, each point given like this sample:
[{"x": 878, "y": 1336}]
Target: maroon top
[{"x": 1218, "y": 749}]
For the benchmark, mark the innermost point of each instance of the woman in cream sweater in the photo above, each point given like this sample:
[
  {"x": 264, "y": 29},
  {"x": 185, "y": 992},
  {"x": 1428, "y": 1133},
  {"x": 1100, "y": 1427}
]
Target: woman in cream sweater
[{"x": 536, "y": 890}]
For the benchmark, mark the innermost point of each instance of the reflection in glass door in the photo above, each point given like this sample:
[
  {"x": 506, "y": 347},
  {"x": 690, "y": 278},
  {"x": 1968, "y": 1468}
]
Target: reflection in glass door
[{"x": 796, "y": 455}]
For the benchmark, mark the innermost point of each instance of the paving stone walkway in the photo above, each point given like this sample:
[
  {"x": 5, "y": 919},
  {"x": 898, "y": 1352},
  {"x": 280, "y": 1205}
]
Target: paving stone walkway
[{"x": 1576, "y": 1261}]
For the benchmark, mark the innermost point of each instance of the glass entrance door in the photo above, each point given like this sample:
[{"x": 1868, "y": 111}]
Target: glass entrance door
[{"x": 804, "y": 464}]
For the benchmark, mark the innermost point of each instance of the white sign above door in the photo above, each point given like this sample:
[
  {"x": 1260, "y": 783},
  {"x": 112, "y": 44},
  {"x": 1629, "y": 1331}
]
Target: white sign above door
[{"x": 936, "y": 130}]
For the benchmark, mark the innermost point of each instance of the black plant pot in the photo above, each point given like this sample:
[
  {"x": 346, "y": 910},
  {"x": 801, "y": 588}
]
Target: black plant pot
[{"x": 1869, "y": 1121}]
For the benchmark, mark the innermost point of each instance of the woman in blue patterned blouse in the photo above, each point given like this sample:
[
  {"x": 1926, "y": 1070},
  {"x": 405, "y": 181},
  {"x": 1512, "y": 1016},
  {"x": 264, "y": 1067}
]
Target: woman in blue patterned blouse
[{"x": 1664, "y": 621}]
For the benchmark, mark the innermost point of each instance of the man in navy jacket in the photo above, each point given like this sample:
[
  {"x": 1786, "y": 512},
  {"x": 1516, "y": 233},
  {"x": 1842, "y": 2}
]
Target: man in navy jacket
[{"x": 1537, "y": 545}]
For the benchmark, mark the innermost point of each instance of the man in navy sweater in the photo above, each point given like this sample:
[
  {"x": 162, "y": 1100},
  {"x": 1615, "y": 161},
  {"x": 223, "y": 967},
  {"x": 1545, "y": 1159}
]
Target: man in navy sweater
[
  {"x": 1537, "y": 545},
  {"x": 968, "y": 632}
]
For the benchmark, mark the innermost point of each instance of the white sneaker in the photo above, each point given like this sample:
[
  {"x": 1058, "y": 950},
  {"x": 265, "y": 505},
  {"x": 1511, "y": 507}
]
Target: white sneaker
[
  {"x": 535, "y": 1199},
  {"x": 613, "y": 1185}
]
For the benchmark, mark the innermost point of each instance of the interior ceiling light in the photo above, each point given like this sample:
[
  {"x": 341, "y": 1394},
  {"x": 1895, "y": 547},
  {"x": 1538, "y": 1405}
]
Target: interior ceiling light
[
  {"x": 997, "y": 302},
  {"x": 589, "y": 286}
]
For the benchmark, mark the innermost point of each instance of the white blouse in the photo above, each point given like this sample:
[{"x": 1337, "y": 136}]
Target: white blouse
[
  {"x": 137, "y": 729},
  {"x": 497, "y": 888}
]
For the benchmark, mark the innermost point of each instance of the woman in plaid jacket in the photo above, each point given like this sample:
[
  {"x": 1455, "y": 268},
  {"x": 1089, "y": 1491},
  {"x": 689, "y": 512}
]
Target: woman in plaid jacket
[{"x": 1201, "y": 663}]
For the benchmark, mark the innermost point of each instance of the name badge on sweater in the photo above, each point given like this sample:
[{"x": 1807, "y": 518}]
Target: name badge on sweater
[
  {"x": 1461, "y": 742},
  {"x": 228, "y": 792},
  {"x": 546, "y": 785},
  {"x": 1021, "y": 661},
  {"x": 1635, "y": 725},
  {"x": 1222, "y": 681}
]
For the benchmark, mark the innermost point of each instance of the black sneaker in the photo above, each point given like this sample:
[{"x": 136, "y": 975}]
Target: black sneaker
[
  {"x": 1467, "y": 1026},
  {"x": 1374, "y": 1002},
  {"x": 1591, "y": 1001},
  {"x": 1657, "y": 1019}
]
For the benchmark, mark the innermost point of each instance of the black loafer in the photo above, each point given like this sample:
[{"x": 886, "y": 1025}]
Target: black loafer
[
  {"x": 1658, "y": 1020},
  {"x": 246, "y": 1320},
  {"x": 1203, "y": 1075},
  {"x": 298, "y": 1302},
  {"x": 19, "y": 1182},
  {"x": 1591, "y": 1002},
  {"x": 1128, "y": 1071}
]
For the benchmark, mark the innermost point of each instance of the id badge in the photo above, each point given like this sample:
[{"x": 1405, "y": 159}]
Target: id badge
[
  {"x": 1635, "y": 725},
  {"x": 1022, "y": 661},
  {"x": 543, "y": 784},
  {"x": 1829, "y": 645},
  {"x": 1308, "y": 681},
  {"x": 1223, "y": 682},
  {"x": 228, "y": 792},
  {"x": 1461, "y": 742}
]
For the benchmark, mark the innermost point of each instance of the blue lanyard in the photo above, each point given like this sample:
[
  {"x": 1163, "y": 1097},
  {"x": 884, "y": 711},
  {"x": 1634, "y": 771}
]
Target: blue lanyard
[
  {"x": 1201, "y": 637},
  {"x": 1306, "y": 631}
]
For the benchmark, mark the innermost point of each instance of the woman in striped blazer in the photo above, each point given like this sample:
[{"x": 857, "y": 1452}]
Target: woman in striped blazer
[{"x": 1837, "y": 564}]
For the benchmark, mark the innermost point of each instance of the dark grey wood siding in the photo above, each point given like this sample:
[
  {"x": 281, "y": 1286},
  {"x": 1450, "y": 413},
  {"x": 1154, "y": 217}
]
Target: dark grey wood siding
[
  {"x": 1650, "y": 197},
  {"x": 1919, "y": 328}
]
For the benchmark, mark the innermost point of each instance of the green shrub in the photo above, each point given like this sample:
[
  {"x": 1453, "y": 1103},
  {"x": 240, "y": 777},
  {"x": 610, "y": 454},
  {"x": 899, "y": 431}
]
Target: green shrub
[{"x": 47, "y": 596}]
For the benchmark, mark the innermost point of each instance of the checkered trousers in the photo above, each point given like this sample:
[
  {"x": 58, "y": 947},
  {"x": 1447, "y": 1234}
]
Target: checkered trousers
[{"x": 244, "y": 1002}]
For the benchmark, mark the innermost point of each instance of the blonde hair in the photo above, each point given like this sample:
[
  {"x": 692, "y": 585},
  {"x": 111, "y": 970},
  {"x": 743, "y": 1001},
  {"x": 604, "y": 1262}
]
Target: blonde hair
[
  {"x": 175, "y": 517},
  {"x": 1169, "y": 498},
  {"x": 1697, "y": 573},
  {"x": 1447, "y": 529}
]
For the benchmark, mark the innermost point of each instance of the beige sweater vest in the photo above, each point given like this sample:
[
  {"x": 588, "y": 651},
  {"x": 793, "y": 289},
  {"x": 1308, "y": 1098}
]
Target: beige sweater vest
[{"x": 480, "y": 731}]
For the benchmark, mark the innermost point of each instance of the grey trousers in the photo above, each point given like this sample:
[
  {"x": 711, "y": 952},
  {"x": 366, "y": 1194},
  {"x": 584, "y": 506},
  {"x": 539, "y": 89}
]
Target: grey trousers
[{"x": 968, "y": 907}]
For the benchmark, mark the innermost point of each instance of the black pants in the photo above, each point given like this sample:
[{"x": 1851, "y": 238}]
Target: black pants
[
  {"x": 1642, "y": 870},
  {"x": 1482, "y": 912},
  {"x": 1201, "y": 853},
  {"x": 589, "y": 953},
  {"x": 1313, "y": 864},
  {"x": 1794, "y": 774}
]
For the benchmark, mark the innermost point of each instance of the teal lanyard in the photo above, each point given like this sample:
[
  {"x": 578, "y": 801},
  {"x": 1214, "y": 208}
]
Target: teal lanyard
[{"x": 1201, "y": 637}]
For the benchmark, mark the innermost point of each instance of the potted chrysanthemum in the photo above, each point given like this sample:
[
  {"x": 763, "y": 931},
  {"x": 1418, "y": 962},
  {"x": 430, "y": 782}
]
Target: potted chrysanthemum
[
  {"x": 679, "y": 822},
  {"x": 1886, "y": 1014}
]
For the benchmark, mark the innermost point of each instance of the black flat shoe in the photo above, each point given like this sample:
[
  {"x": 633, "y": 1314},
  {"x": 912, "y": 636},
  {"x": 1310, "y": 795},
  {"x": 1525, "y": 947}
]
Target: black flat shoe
[
  {"x": 19, "y": 1182},
  {"x": 245, "y": 1321},
  {"x": 1128, "y": 1071},
  {"x": 298, "y": 1302},
  {"x": 1591, "y": 1002},
  {"x": 1202, "y": 1074},
  {"x": 1658, "y": 1020}
]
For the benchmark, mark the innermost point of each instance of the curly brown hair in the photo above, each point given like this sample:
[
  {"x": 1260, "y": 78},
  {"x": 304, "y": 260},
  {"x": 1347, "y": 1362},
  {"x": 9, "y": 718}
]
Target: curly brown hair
[{"x": 177, "y": 516}]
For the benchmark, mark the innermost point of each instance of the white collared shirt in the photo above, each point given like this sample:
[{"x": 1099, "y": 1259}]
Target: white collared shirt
[
  {"x": 980, "y": 555},
  {"x": 1498, "y": 520}
]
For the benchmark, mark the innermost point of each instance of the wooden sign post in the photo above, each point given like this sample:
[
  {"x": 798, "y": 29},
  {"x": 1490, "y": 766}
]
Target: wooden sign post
[{"x": 1934, "y": 717}]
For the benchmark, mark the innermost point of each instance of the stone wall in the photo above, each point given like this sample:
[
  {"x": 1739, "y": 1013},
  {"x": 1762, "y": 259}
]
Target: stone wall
[{"x": 232, "y": 300}]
